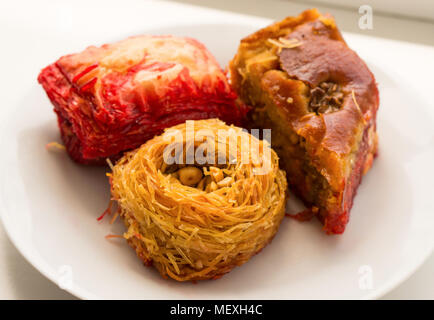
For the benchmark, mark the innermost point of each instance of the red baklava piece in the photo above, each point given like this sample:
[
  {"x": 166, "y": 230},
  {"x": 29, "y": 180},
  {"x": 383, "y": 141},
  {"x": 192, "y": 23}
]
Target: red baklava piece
[
  {"x": 320, "y": 100},
  {"x": 113, "y": 98}
]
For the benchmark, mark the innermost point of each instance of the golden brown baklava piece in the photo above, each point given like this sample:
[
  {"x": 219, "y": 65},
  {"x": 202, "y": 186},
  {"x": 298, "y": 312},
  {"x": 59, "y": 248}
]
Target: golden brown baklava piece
[{"x": 320, "y": 100}]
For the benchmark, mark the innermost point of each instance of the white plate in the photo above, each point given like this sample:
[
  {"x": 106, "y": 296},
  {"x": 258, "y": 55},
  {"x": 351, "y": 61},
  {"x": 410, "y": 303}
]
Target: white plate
[{"x": 49, "y": 205}]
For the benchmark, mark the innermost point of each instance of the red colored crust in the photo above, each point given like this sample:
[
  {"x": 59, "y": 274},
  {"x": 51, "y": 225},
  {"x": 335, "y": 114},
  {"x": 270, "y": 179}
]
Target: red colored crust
[{"x": 113, "y": 98}]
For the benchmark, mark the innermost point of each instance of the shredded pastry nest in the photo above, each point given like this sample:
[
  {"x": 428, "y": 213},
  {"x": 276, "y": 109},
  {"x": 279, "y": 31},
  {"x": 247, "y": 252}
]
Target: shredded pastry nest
[{"x": 195, "y": 233}]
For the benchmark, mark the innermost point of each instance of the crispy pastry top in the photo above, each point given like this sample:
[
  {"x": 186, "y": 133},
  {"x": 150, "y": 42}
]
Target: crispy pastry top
[
  {"x": 132, "y": 73},
  {"x": 156, "y": 58}
]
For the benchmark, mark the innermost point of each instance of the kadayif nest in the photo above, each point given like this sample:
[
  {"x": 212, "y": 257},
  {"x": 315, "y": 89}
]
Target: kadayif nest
[{"x": 198, "y": 221}]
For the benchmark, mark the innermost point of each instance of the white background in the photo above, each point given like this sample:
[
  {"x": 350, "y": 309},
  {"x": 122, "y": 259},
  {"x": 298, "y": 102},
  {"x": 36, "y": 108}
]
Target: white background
[
  {"x": 423, "y": 9},
  {"x": 19, "y": 280}
]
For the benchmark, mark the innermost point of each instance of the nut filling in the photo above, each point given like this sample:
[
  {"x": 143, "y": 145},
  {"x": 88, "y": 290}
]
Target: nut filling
[
  {"x": 326, "y": 98},
  {"x": 204, "y": 178}
]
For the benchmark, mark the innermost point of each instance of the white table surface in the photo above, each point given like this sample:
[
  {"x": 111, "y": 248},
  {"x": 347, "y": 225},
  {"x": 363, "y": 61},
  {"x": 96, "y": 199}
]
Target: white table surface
[{"x": 19, "y": 280}]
